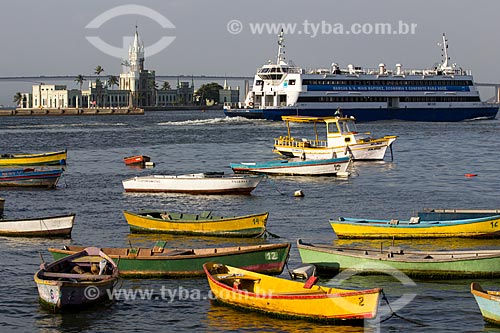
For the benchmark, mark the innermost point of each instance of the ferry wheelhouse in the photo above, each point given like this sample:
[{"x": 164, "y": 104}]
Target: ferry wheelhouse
[{"x": 443, "y": 93}]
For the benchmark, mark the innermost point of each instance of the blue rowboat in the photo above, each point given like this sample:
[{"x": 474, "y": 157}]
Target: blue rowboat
[
  {"x": 296, "y": 166},
  {"x": 488, "y": 302},
  {"x": 30, "y": 177}
]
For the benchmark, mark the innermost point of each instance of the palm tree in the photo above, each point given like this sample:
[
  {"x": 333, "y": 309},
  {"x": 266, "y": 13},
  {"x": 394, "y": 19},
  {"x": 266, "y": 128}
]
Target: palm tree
[
  {"x": 79, "y": 80},
  {"x": 113, "y": 81},
  {"x": 166, "y": 86},
  {"x": 98, "y": 70},
  {"x": 18, "y": 99},
  {"x": 153, "y": 86}
]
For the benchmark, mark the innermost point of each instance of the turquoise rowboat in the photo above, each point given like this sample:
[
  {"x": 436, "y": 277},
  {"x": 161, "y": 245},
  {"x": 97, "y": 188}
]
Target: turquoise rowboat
[
  {"x": 296, "y": 167},
  {"x": 161, "y": 262},
  {"x": 427, "y": 264},
  {"x": 430, "y": 225},
  {"x": 488, "y": 302}
]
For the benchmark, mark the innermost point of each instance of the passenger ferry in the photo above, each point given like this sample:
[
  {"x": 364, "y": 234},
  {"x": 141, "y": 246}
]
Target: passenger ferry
[{"x": 443, "y": 93}]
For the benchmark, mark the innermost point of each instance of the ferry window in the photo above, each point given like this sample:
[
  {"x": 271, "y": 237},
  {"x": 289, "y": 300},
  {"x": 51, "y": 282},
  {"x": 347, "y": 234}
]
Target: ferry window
[{"x": 291, "y": 82}]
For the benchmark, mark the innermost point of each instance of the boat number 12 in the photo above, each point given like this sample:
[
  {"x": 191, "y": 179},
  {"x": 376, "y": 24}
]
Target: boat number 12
[
  {"x": 271, "y": 255},
  {"x": 494, "y": 224}
]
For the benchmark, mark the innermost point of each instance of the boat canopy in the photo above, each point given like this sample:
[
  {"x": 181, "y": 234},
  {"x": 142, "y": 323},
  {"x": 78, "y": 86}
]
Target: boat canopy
[{"x": 305, "y": 119}]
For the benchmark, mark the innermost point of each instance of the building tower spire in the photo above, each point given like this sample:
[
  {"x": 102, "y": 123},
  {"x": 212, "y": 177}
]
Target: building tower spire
[{"x": 136, "y": 54}]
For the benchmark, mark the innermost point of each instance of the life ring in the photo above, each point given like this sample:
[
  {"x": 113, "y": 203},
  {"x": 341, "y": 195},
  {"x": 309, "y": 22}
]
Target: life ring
[{"x": 250, "y": 103}]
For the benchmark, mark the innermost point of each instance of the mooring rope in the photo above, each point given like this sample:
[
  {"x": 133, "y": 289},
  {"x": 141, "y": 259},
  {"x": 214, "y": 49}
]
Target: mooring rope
[
  {"x": 274, "y": 185},
  {"x": 394, "y": 314},
  {"x": 267, "y": 234}
]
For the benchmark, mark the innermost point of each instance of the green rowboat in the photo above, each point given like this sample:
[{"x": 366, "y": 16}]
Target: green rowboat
[
  {"x": 173, "y": 263},
  {"x": 433, "y": 264}
]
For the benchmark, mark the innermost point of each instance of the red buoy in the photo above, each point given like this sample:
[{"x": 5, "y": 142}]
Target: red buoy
[{"x": 469, "y": 175}]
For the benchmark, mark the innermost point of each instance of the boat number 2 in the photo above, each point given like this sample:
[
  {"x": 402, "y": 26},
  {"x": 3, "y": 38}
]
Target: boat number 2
[
  {"x": 494, "y": 224},
  {"x": 361, "y": 301}
]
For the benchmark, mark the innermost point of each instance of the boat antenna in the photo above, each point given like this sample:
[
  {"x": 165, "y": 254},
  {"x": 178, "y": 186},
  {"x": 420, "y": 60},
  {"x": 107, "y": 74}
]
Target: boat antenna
[{"x": 281, "y": 49}]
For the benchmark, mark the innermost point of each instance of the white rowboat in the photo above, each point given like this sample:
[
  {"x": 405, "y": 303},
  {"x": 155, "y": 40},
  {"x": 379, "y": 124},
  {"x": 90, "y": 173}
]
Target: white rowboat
[
  {"x": 196, "y": 183},
  {"x": 51, "y": 226}
]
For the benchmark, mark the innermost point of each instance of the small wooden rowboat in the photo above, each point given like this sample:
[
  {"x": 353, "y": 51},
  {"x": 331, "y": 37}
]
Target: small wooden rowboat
[
  {"x": 296, "y": 167},
  {"x": 138, "y": 160},
  {"x": 30, "y": 177},
  {"x": 427, "y": 264},
  {"x": 205, "y": 223},
  {"x": 80, "y": 279},
  {"x": 161, "y": 262},
  {"x": 196, "y": 183},
  {"x": 487, "y": 226},
  {"x": 51, "y": 226},
  {"x": 488, "y": 302},
  {"x": 281, "y": 297},
  {"x": 51, "y": 158}
]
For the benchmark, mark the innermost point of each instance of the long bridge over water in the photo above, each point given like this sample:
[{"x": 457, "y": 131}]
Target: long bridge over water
[{"x": 43, "y": 78}]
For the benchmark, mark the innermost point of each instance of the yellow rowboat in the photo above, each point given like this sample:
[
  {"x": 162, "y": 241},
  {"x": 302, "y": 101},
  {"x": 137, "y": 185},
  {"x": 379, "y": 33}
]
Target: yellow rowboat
[
  {"x": 292, "y": 299},
  {"x": 205, "y": 223},
  {"x": 485, "y": 227},
  {"x": 51, "y": 158}
]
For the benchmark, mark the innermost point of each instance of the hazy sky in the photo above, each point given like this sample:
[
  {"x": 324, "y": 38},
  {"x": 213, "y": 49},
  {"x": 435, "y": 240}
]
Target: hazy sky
[{"x": 49, "y": 37}]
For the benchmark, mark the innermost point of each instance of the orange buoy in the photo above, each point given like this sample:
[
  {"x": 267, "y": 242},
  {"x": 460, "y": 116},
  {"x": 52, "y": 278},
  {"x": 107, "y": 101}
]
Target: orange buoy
[{"x": 469, "y": 175}]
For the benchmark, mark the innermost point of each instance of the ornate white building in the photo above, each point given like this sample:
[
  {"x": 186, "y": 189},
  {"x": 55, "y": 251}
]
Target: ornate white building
[
  {"x": 137, "y": 88},
  {"x": 137, "y": 80}
]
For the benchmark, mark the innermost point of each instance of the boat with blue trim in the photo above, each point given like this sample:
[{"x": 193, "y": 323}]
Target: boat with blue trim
[
  {"x": 30, "y": 177},
  {"x": 442, "y": 93},
  {"x": 296, "y": 167}
]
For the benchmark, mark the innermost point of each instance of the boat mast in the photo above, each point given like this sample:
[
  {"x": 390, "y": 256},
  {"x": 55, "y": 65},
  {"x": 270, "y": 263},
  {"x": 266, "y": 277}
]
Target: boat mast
[
  {"x": 280, "y": 59},
  {"x": 445, "y": 63},
  {"x": 445, "y": 52}
]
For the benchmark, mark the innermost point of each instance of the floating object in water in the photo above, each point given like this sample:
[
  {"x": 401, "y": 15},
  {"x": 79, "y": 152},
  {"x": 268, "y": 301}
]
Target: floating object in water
[
  {"x": 298, "y": 193},
  {"x": 149, "y": 164},
  {"x": 470, "y": 175}
]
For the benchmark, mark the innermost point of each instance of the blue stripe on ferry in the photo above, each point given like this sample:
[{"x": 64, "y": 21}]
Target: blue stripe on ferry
[
  {"x": 372, "y": 114},
  {"x": 321, "y": 87}
]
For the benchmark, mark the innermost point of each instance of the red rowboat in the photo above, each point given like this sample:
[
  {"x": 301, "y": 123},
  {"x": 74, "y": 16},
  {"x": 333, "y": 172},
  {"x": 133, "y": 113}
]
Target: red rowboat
[{"x": 136, "y": 160}]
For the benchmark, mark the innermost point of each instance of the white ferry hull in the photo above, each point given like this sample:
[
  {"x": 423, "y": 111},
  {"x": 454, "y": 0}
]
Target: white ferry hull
[{"x": 435, "y": 114}]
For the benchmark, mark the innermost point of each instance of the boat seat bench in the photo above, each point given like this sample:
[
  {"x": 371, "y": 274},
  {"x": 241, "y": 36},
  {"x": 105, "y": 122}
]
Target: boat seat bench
[{"x": 76, "y": 276}]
